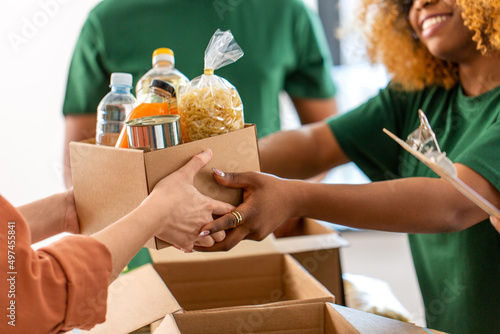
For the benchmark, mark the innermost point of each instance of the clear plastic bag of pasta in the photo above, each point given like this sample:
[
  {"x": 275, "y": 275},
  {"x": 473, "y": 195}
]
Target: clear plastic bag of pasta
[{"x": 210, "y": 105}]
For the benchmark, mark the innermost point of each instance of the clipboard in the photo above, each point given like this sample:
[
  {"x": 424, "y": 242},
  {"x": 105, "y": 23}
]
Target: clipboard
[{"x": 422, "y": 144}]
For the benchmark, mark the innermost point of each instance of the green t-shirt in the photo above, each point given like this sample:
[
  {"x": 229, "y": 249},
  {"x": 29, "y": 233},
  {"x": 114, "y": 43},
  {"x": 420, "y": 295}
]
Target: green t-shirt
[
  {"x": 284, "y": 45},
  {"x": 459, "y": 273}
]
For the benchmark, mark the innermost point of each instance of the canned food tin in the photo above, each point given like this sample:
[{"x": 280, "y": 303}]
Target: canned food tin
[{"x": 154, "y": 132}]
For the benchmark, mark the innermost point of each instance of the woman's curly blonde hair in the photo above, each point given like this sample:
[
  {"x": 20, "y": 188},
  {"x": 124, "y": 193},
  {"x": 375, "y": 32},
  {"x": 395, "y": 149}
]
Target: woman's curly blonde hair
[{"x": 391, "y": 40}]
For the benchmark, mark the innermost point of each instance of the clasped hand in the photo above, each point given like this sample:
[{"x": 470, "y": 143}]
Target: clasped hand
[
  {"x": 268, "y": 201},
  {"x": 179, "y": 211},
  {"x": 184, "y": 217}
]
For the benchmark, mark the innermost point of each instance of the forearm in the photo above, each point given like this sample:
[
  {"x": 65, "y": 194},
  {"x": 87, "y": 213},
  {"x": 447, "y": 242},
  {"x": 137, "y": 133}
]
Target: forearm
[
  {"x": 412, "y": 205},
  {"x": 49, "y": 216},
  {"x": 68, "y": 179},
  {"x": 125, "y": 238},
  {"x": 300, "y": 153},
  {"x": 314, "y": 110},
  {"x": 174, "y": 212}
]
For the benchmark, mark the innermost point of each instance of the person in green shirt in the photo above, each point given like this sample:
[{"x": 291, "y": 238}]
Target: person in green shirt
[
  {"x": 443, "y": 56},
  {"x": 283, "y": 41}
]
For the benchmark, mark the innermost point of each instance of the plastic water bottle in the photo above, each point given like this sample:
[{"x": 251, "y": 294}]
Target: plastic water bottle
[{"x": 114, "y": 108}]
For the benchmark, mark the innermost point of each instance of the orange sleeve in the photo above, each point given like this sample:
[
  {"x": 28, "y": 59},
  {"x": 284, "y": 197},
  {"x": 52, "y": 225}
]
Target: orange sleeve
[{"x": 54, "y": 289}]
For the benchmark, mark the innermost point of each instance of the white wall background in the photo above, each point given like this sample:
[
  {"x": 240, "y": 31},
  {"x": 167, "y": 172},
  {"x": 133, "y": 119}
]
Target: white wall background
[{"x": 36, "y": 41}]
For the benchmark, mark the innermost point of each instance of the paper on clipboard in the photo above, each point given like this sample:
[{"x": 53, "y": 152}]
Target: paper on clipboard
[{"x": 422, "y": 144}]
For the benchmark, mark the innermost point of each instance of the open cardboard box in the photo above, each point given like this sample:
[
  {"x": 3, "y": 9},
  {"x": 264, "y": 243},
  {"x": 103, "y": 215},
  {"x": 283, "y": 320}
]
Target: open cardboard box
[
  {"x": 150, "y": 292},
  {"x": 314, "y": 246},
  {"x": 298, "y": 318},
  {"x": 313, "y": 318},
  {"x": 110, "y": 182},
  {"x": 317, "y": 249}
]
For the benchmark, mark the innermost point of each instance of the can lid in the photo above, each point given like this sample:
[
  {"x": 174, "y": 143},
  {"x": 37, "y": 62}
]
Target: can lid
[
  {"x": 124, "y": 79},
  {"x": 153, "y": 120},
  {"x": 164, "y": 54},
  {"x": 166, "y": 86}
]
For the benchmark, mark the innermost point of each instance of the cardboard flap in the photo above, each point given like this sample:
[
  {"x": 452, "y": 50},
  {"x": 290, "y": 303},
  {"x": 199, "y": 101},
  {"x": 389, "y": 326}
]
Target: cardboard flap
[
  {"x": 135, "y": 300},
  {"x": 168, "y": 326},
  {"x": 310, "y": 236},
  {"x": 335, "y": 323},
  {"x": 97, "y": 186},
  {"x": 239, "y": 154},
  {"x": 244, "y": 248},
  {"x": 312, "y": 226},
  {"x": 300, "y": 284},
  {"x": 371, "y": 323},
  {"x": 307, "y": 243}
]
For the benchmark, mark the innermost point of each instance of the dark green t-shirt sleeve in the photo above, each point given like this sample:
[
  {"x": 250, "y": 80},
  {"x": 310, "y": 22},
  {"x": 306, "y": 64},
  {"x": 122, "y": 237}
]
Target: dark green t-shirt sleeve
[
  {"x": 88, "y": 81},
  {"x": 361, "y": 137},
  {"x": 482, "y": 154},
  {"x": 312, "y": 76}
]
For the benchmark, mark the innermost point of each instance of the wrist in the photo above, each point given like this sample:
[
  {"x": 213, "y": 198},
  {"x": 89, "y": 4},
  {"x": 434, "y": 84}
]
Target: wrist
[
  {"x": 147, "y": 216},
  {"x": 296, "y": 194},
  {"x": 137, "y": 226}
]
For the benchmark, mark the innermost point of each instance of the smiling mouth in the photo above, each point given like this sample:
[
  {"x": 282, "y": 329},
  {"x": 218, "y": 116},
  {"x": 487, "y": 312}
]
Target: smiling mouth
[{"x": 432, "y": 21}]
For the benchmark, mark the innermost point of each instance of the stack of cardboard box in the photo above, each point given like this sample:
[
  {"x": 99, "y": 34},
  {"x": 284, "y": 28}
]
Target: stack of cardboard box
[{"x": 233, "y": 293}]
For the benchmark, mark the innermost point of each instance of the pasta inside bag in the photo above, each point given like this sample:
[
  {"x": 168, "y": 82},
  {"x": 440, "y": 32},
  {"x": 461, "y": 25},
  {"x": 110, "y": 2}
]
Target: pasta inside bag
[{"x": 210, "y": 105}]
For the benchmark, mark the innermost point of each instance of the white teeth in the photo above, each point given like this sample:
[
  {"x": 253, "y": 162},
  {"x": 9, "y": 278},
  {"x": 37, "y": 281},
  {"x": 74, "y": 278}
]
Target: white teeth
[{"x": 433, "y": 21}]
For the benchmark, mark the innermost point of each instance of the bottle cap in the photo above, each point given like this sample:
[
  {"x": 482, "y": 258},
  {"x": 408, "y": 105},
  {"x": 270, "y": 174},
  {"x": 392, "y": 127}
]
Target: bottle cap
[
  {"x": 166, "y": 86},
  {"x": 124, "y": 79},
  {"x": 164, "y": 54}
]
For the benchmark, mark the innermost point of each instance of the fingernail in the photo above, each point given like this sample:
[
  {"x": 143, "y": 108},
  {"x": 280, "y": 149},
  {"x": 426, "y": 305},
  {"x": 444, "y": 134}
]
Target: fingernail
[
  {"x": 204, "y": 233},
  {"x": 208, "y": 153},
  {"x": 219, "y": 172}
]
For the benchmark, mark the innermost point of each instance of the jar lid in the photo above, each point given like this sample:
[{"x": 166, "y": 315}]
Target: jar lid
[{"x": 166, "y": 86}]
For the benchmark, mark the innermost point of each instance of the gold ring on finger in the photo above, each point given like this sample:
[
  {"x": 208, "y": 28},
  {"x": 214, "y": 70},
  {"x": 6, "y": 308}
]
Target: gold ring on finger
[{"x": 239, "y": 219}]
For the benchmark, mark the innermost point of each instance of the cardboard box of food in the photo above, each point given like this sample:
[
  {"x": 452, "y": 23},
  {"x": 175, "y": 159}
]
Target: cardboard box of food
[
  {"x": 110, "y": 182},
  {"x": 321, "y": 318},
  {"x": 316, "y": 248},
  {"x": 150, "y": 292}
]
